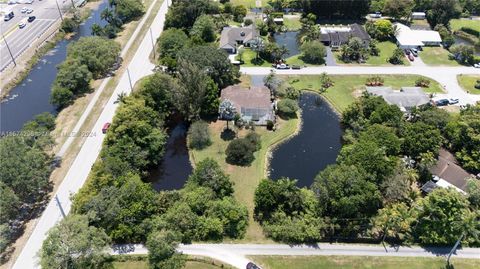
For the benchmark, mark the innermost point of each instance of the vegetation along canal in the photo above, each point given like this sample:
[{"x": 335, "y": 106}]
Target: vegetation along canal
[{"x": 316, "y": 145}]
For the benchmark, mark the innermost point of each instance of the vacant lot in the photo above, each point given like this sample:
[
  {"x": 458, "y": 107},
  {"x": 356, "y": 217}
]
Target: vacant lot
[
  {"x": 347, "y": 87},
  {"x": 468, "y": 83},
  {"x": 456, "y": 24},
  {"x": 353, "y": 262},
  {"x": 436, "y": 56},
  {"x": 247, "y": 3}
]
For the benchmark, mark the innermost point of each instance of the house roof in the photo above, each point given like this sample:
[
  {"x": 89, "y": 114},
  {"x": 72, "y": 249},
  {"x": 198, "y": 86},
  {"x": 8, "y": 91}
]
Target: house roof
[
  {"x": 359, "y": 31},
  {"x": 253, "y": 103},
  {"x": 407, "y": 97},
  {"x": 448, "y": 170},
  {"x": 408, "y": 37},
  {"x": 343, "y": 34},
  {"x": 231, "y": 35}
]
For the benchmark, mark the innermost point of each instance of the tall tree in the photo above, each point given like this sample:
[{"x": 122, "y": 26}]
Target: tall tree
[
  {"x": 398, "y": 9},
  {"x": 162, "y": 252},
  {"x": 204, "y": 28},
  {"x": 442, "y": 11},
  {"x": 208, "y": 173}
]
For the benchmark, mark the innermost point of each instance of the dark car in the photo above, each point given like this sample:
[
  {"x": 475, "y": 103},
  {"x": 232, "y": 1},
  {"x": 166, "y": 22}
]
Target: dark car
[
  {"x": 407, "y": 51},
  {"x": 411, "y": 58},
  {"x": 251, "y": 265},
  {"x": 31, "y": 18},
  {"x": 296, "y": 67},
  {"x": 441, "y": 102}
]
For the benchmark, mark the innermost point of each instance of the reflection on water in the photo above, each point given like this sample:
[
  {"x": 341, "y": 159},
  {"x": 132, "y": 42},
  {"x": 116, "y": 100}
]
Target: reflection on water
[
  {"x": 316, "y": 146},
  {"x": 289, "y": 40}
]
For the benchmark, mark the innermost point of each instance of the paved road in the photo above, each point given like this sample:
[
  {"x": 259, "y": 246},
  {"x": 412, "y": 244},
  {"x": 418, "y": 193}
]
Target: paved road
[
  {"x": 139, "y": 67},
  {"x": 46, "y": 13},
  {"x": 235, "y": 254},
  {"x": 446, "y": 76}
]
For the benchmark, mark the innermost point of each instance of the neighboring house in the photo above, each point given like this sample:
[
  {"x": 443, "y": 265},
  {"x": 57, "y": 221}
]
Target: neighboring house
[
  {"x": 418, "y": 15},
  {"x": 335, "y": 36},
  {"x": 253, "y": 104},
  {"x": 406, "y": 98},
  {"x": 408, "y": 38},
  {"x": 447, "y": 173},
  {"x": 233, "y": 37}
]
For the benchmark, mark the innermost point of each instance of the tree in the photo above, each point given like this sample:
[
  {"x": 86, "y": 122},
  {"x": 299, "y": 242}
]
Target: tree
[
  {"x": 383, "y": 136},
  {"x": 313, "y": 52},
  {"x": 397, "y": 57},
  {"x": 398, "y": 9},
  {"x": 345, "y": 191},
  {"x": 204, "y": 28},
  {"x": 353, "y": 51},
  {"x": 373, "y": 48},
  {"x": 239, "y": 12},
  {"x": 383, "y": 29},
  {"x": 239, "y": 152},
  {"x": 227, "y": 111},
  {"x": 9, "y": 204},
  {"x": 61, "y": 97},
  {"x": 394, "y": 222},
  {"x": 156, "y": 91},
  {"x": 182, "y": 219},
  {"x": 447, "y": 37},
  {"x": 287, "y": 108},
  {"x": 473, "y": 190},
  {"x": 273, "y": 82},
  {"x": 74, "y": 244},
  {"x": 128, "y": 10},
  {"x": 74, "y": 76},
  {"x": 170, "y": 42},
  {"x": 420, "y": 138},
  {"x": 233, "y": 216},
  {"x": 443, "y": 216},
  {"x": 97, "y": 53},
  {"x": 464, "y": 54},
  {"x": 211, "y": 102},
  {"x": 183, "y": 13},
  {"x": 162, "y": 252},
  {"x": 442, "y": 11},
  {"x": 199, "y": 135},
  {"x": 97, "y": 30},
  {"x": 209, "y": 174},
  {"x": 400, "y": 186}
]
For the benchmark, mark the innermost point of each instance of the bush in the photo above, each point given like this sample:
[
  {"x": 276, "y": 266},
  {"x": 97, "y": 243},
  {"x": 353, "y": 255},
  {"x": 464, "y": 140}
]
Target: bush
[
  {"x": 240, "y": 152},
  {"x": 374, "y": 81},
  {"x": 69, "y": 25},
  {"x": 313, "y": 52},
  {"x": 247, "y": 22},
  {"x": 254, "y": 140},
  {"x": 270, "y": 124},
  {"x": 61, "y": 97},
  {"x": 422, "y": 82},
  {"x": 199, "y": 135},
  {"x": 397, "y": 57},
  {"x": 287, "y": 108},
  {"x": 477, "y": 85}
]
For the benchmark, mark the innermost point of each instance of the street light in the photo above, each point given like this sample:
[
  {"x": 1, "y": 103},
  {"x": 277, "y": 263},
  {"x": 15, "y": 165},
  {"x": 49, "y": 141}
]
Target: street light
[{"x": 60, "y": 12}]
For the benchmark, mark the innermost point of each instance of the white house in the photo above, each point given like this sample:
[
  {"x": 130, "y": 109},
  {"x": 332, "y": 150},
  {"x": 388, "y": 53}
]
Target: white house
[
  {"x": 418, "y": 15},
  {"x": 408, "y": 38}
]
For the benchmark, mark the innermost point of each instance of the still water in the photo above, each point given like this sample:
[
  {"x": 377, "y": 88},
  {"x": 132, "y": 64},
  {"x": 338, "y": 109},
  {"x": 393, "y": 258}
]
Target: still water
[{"x": 289, "y": 40}]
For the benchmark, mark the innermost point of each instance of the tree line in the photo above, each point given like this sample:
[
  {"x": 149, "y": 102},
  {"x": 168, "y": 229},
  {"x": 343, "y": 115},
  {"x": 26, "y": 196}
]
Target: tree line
[{"x": 373, "y": 189}]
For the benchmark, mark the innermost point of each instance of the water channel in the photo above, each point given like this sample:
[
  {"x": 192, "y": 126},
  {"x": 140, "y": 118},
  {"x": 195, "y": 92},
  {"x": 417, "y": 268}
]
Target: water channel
[
  {"x": 316, "y": 146},
  {"x": 32, "y": 95}
]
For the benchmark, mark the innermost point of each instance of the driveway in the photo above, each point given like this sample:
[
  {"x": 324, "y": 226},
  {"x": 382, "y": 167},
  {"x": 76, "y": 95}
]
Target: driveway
[{"x": 330, "y": 58}]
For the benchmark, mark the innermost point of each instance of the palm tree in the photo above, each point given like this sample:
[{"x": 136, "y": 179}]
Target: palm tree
[
  {"x": 227, "y": 111},
  {"x": 121, "y": 97},
  {"x": 97, "y": 30}
]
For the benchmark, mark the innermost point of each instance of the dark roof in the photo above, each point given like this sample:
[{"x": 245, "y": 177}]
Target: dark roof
[
  {"x": 324, "y": 37},
  {"x": 356, "y": 30},
  {"x": 359, "y": 31},
  {"x": 448, "y": 170}
]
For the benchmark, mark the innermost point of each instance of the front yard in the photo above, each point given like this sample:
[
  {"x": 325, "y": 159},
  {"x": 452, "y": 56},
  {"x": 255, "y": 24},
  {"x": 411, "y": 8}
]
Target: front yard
[
  {"x": 347, "y": 87},
  {"x": 436, "y": 56},
  {"x": 249, "y": 55},
  {"x": 386, "y": 49},
  {"x": 468, "y": 83}
]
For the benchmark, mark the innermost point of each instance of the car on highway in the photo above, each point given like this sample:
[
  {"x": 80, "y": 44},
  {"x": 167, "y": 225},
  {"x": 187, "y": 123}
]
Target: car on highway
[
  {"x": 31, "y": 18},
  {"x": 442, "y": 102},
  {"x": 23, "y": 10},
  {"x": 29, "y": 10},
  {"x": 411, "y": 58},
  {"x": 251, "y": 265},
  {"x": 8, "y": 15},
  {"x": 105, "y": 127},
  {"x": 22, "y": 24},
  {"x": 453, "y": 101}
]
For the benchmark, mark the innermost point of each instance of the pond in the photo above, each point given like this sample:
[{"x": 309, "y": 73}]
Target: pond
[
  {"x": 459, "y": 40},
  {"x": 289, "y": 40},
  {"x": 174, "y": 169},
  {"x": 32, "y": 95},
  {"x": 316, "y": 146}
]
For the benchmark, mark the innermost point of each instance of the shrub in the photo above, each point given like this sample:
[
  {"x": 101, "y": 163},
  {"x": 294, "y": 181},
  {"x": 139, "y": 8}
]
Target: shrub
[
  {"x": 270, "y": 124},
  {"x": 248, "y": 22},
  {"x": 397, "y": 57},
  {"x": 254, "y": 140},
  {"x": 239, "y": 152},
  {"x": 199, "y": 135},
  {"x": 69, "y": 25},
  {"x": 374, "y": 81},
  {"x": 326, "y": 81},
  {"x": 61, "y": 97},
  {"x": 313, "y": 52},
  {"x": 422, "y": 82},
  {"x": 477, "y": 85},
  {"x": 287, "y": 108}
]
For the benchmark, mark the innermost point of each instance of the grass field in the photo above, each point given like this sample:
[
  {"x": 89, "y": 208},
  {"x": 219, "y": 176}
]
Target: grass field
[
  {"x": 247, "y": 3},
  {"x": 456, "y": 24},
  {"x": 347, "y": 87},
  {"x": 205, "y": 264},
  {"x": 468, "y": 82},
  {"x": 436, "y": 56},
  {"x": 354, "y": 262},
  {"x": 247, "y": 178},
  {"x": 248, "y": 58},
  {"x": 386, "y": 50}
]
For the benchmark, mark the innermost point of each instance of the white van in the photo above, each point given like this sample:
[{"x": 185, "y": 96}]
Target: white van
[{"x": 8, "y": 15}]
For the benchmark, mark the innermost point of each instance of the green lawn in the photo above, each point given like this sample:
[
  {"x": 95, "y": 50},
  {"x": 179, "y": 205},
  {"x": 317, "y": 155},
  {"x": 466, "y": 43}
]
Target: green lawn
[
  {"x": 468, "y": 82},
  {"x": 245, "y": 179},
  {"x": 358, "y": 262},
  {"x": 347, "y": 87},
  {"x": 436, "y": 56},
  {"x": 248, "y": 58},
  {"x": 386, "y": 50},
  {"x": 292, "y": 23},
  {"x": 247, "y": 3},
  {"x": 456, "y": 24},
  {"x": 192, "y": 263}
]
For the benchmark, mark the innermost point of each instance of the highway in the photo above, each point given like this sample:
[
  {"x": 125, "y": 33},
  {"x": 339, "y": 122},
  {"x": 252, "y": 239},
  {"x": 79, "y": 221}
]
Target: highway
[{"x": 46, "y": 13}]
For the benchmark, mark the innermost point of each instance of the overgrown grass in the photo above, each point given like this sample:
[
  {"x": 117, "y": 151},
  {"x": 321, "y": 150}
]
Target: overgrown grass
[
  {"x": 456, "y": 24},
  {"x": 348, "y": 87},
  {"x": 436, "y": 56},
  {"x": 140, "y": 262},
  {"x": 247, "y": 178},
  {"x": 468, "y": 83},
  {"x": 359, "y": 262}
]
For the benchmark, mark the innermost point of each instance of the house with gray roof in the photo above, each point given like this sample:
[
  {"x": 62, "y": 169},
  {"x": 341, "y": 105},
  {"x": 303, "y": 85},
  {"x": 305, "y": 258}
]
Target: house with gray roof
[
  {"x": 406, "y": 98},
  {"x": 233, "y": 37},
  {"x": 335, "y": 36}
]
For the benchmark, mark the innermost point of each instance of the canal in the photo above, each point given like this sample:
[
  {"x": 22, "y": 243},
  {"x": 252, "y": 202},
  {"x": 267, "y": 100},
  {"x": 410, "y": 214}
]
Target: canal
[
  {"x": 316, "y": 145},
  {"x": 32, "y": 95}
]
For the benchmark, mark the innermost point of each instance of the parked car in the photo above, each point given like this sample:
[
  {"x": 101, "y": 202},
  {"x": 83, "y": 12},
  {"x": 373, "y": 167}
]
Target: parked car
[
  {"x": 105, "y": 127},
  {"x": 476, "y": 65},
  {"x": 283, "y": 66},
  {"x": 31, "y": 18},
  {"x": 296, "y": 67},
  {"x": 411, "y": 58},
  {"x": 29, "y": 10},
  {"x": 453, "y": 101},
  {"x": 23, "y": 10},
  {"x": 21, "y": 24},
  {"x": 414, "y": 52},
  {"x": 442, "y": 102},
  {"x": 407, "y": 51},
  {"x": 251, "y": 265}
]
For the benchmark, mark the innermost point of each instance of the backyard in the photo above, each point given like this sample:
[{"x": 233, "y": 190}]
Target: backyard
[
  {"x": 436, "y": 56},
  {"x": 358, "y": 262},
  {"x": 468, "y": 83},
  {"x": 347, "y": 87}
]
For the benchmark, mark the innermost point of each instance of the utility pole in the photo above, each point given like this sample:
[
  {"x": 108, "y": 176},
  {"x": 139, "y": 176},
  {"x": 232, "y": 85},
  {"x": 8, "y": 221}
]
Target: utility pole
[
  {"x": 453, "y": 249},
  {"x": 73, "y": 4},
  {"x": 9, "y": 51},
  {"x": 153, "y": 44},
  {"x": 129, "y": 79},
  {"x": 59, "y": 11},
  {"x": 60, "y": 205}
]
